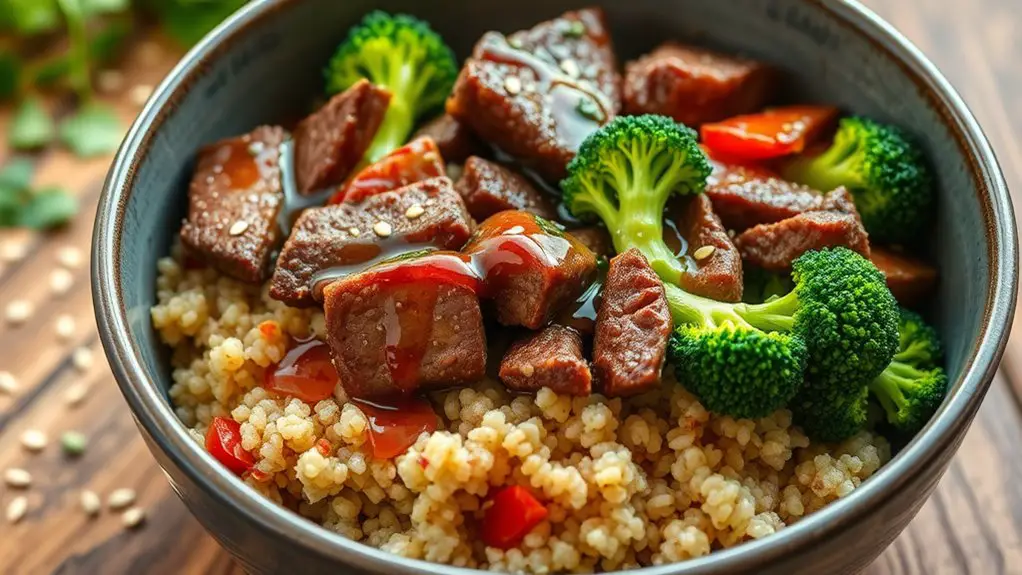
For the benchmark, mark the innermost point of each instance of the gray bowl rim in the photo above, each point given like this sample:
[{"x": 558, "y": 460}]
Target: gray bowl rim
[{"x": 153, "y": 412}]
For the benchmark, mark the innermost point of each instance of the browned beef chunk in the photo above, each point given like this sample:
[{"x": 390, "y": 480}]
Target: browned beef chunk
[
  {"x": 538, "y": 93},
  {"x": 910, "y": 279},
  {"x": 694, "y": 85},
  {"x": 714, "y": 273},
  {"x": 406, "y": 326},
  {"x": 632, "y": 327},
  {"x": 488, "y": 188},
  {"x": 744, "y": 197},
  {"x": 233, "y": 203},
  {"x": 551, "y": 358},
  {"x": 455, "y": 141},
  {"x": 596, "y": 239},
  {"x": 427, "y": 213},
  {"x": 331, "y": 142},
  {"x": 530, "y": 268},
  {"x": 774, "y": 246}
]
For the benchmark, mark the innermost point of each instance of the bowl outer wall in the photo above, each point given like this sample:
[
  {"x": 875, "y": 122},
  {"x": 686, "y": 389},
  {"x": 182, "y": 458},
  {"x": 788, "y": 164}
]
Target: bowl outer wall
[{"x": 844, "y": 537}]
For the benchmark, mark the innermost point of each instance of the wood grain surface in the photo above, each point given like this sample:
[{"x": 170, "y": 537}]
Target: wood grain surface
[{"x": 972, "y": 524}]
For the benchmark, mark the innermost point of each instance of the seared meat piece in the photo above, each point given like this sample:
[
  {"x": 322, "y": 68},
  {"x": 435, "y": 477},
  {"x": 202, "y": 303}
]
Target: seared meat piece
[
  {"x": 632, "y": 327},
  {"x": 746, "y": 196},
  {"x": 330, "y": 143},
  {"x": 233, "y": 203},
  {"x": 455, "y": 140},
  {"x": 774, "y": 246},
  {"x": 714, "y": 273},
  {"x": 596, "y": 239},
  {"x": 910, "y": 280},
  {"x": 343, "y": 235},
  {"x": 416, "y": 161},
  {"x": 488, "y": 188},
  {"x": 695, "y": 85},
  {"x": 551, "y": 358},
  {"x": 409, "y": 325},
  {"x": 530, "y": 268},
  {"x": 538, "y": 93}
]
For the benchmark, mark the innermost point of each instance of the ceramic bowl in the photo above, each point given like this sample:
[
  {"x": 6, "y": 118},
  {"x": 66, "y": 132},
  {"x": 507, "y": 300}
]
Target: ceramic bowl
[{"x": 264, "y": 65}]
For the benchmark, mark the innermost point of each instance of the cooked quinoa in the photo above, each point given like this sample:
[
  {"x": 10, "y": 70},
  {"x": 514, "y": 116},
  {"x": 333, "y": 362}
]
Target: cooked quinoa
[{"x": 648, "y": 480}]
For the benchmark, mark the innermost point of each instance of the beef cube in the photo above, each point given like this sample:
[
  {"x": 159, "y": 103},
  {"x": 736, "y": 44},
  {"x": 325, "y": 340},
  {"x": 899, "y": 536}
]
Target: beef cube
[
  {"x": 233, "y": 203},
  {"x": 332, "y": 239},
  {"x": 488, "y": 188},
  {"x": 551, "y": 358},
  {"x": 331, "y": 142},
  {"x": 774, "y": 247},
  {"x": 596, "y": 239},
  {"x": 406, "y": 326},
  {"x": 538, "y": 93},
  {"x": 455, "y": 141},
  {"x": 530, "y": 268},
  {"x": 416, "y": 161},
  {"x": 910, "y": 279},
  {"x": 695, "y": 85},
  {"x": 715, "y": 267},
  {"x": 633, "y": 326}
]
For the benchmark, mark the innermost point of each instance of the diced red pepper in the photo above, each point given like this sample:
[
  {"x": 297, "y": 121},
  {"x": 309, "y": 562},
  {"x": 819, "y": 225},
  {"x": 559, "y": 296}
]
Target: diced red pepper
[
  {"x": 418, "y": 160},
  {"x": 394, "y": 428},
  {"x": 306, "y": 372},
  {"x": 223, "y": 441},
  {"x": 513, "y": 514},
  {"x": 770, "y": 134}
]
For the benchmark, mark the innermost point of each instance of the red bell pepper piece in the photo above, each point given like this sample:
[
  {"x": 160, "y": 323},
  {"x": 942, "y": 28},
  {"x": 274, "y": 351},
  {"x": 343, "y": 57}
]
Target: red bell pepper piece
[
  {"x": 418, "y": 160},
  {"x": 306, "y": 372},
  {"x": 513, "y": 514},
  {"x": 394, "y": 428},
  {"x": 223, "y": 441},
  {"x": 770, "y": 134}
]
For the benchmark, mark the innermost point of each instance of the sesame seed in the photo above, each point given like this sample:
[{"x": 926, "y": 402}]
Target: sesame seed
[
  {"x": 513, "y": 85},
  {"x": 19, "y": 478},
  {"x": 76, "y": 394},
  {"x": 528, "y": 370},
  {"x": 73, "y": 443},
  {"x": 82, "y": 358},
  {"x": 354, "y": 231},
  {"x": 90, "y": 503},
  {"x": 238, "y": 228},
  {"x": 140, "y": 93},
  {"x": 570, "y": 67},
  {"x": 8, "y": 383},
  {"x": 13, "y": 250},
  {"x": 110, "y": 80},
  {"x": 704, "y": 252},
  {"x": 514, "y": 43},
  {"x": 16, "y": 509},
  {"x": 70, "y": 257},
  {"x": 33, "y": 440},
  {"x": 120, "y": 498},
  {"x": 383, "y": 229},
  {"x": 65, "y": 327},
  {"x": 133, "y": 517},
  {"x": 414, "y": 211},
  {"x": 256, "y": 148},
  {"x": 18, "y": 311}
]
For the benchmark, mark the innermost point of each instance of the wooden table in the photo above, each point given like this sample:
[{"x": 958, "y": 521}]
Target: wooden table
[{"x": 972, "y": 524}]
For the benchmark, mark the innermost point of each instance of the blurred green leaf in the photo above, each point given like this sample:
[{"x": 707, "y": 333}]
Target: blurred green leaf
[
  {"x": 33, "y": 16},
  {"x": 48, "y": 208},
  {"x": 10, "y": 71},
  {"x": 104, "y": 45},
  {"x": 188, "y": 22},
  {"x": 92, "y": 7},
  {"x": 32, "y": 126},
  {"x": 16, "y": 175},
  {"x": 94, "y": 130}
]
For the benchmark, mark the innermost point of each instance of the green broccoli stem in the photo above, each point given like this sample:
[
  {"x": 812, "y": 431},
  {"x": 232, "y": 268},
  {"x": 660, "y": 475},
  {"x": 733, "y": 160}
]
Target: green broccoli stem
[
  {"x": 647, "y": 237},
  {"x": 775, "y": 315},
  {"x": 888, "y": 386},
  {"x": 827, "y": 171},
  {"x": 687, "y": 308},
  {"x": 393, "y": 132}
]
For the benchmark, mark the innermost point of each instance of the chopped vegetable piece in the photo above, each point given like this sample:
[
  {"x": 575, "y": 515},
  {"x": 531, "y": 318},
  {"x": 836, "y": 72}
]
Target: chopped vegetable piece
[
  {"x": 31, "y": 127},
  {"x": 223, "y": 441},
  {"x": 513, "y": 514},
  {"x": 770, "y": 134},
  {"x": 417, "y": 161},
  {"x": 394, "y": 428},
  {"x": 306, "y": 372}
]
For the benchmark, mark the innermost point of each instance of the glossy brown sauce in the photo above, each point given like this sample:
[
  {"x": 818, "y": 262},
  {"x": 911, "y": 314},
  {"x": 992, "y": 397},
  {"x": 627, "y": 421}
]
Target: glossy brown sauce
[
  {"x": 294, "y": 202},
  {"x": 243, "y": 164}
]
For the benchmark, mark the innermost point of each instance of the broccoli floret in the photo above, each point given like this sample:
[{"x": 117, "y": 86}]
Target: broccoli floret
[
  {"x": 405, "y": 56},
  {"x": 885, "y": 171},
  {"x": 625, "y": 172},
  {"x": 912, "y": 387}
]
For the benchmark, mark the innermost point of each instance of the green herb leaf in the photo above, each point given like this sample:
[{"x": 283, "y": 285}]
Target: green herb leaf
[
  {"x": 188, "y": 22},
  {"x": 93, "y": 7},
  {"x": 78, "y": 53},
  {"x": 48, "y": 208},
  {"x": 31, "y": 127},
  {"x": 10, "y": 71},
  {"x": 33, "y": 16},
  {"x": 92, "y": 131},
  {"x": 17, "y": 175}
]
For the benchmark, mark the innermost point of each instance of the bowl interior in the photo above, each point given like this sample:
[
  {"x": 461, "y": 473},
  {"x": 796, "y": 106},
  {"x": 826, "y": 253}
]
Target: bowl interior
[{"x": 270, "y": 72}]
